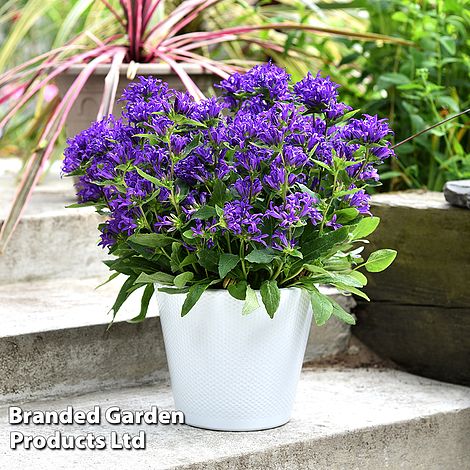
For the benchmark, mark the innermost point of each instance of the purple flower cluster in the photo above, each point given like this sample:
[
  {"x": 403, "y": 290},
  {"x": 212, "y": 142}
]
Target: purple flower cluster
[
  {"x": 253, "y": 165},
  {"x": 320, "y": 94}
]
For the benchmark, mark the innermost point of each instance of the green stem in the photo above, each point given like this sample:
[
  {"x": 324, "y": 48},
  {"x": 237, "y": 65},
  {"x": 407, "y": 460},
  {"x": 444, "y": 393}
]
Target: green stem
[
  {"x": 293, "y": 276},
  {"x": 227, "y": 238},
  {"x": 335, "y": 179},
  {"x": 278, "y": 271},
  {"x": 165, "y": 253},
  {"x": 242, "y": 258}
]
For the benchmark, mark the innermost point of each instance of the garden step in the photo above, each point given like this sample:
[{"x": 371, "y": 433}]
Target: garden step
[
  {"x": 343, "y": 419},
  {"x": 54, "y": 339},
  {"x": 50, "y": 240}
]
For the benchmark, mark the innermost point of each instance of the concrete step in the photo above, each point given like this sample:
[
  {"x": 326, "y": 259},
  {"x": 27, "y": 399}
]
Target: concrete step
[
  {"x": 54, "y": 339},
  {"x": 343, "y": 419},
  {"x": 50, "y": 242}
]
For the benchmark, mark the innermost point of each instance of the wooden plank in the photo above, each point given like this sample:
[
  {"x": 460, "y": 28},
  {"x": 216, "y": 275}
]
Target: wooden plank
[
  {"x": 419, "y": 316},
  {"x": 433, "y": 243},
  {"x": 425, "y": 340}
]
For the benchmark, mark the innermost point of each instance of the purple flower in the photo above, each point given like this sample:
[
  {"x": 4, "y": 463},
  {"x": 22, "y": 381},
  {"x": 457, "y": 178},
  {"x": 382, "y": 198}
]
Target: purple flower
[
  {"x": 251, "y": 158},
  {"x": 267, "y": 81},
  {"x": 368, "y": 130},
  {"x": 333, "y": 224},
  {"x": 137, "y": 185},
  {"x": 248, "y": 188},
  {"x": 164, "y": 223},
  {"x": 336, "y": 110},
  {"x": 199, "y": 165},
  {"x": 281, "y": 242},
  {"x": 277, "y": 177},
  {"x": 360, "y": 200},
  {"x": 88, "y": 192},
  {"x": 178, "y": 143},
  {"x": 383, "y": 152},
  {"x": 297, "y": 208},
  {"x": 316, "y": 93},
  {"x": 87, "y": 144},
  {"x": 184, "y": 103},
  {"x": 240, "y": 220},
  {"x": 293, "y": 156},
  {"x": 207, "y": 109}
]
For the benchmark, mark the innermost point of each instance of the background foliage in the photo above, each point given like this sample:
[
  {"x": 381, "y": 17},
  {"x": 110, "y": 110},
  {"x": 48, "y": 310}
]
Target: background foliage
[{"x": 414, "y": 86}]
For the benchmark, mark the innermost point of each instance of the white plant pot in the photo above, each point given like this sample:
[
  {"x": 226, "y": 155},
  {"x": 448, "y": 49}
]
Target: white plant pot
[{"x": 232, "y": 372}]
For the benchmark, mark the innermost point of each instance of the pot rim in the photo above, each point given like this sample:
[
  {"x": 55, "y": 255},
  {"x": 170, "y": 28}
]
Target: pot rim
[{"x": 141, "y": 69}]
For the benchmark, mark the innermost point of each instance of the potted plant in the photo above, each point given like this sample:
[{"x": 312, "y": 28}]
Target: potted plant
[
  {"x": 115, "y": 40},
  {"x": 234, "y": 210}
]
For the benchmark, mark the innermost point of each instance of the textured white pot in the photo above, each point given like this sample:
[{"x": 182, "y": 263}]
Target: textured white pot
[{"x": 232, "y": 372}]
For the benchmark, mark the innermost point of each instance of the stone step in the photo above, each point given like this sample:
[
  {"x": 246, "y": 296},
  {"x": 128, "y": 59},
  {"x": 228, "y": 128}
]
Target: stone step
[
  {"x": 50, "y": 241},
  {"x": 54, "y": 339},
  {"x": 343, "y": 419}
]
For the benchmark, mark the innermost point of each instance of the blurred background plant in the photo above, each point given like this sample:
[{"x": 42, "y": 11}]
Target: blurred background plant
[
  {"x": 414, "y": 86},
  {"x": 418, "y": 86}
]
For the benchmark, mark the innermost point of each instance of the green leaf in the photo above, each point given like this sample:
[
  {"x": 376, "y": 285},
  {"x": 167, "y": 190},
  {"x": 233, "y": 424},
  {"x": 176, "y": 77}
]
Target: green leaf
[
  {"x": 316, "y": 247},
  {"x": 79, "y": 205},
  {"x": 316, "y": 269},
  {"x": 194, "y": 294},
  {"x": 346, "y": 215},
  {"x": 238, "y": 290},
  {"x": 340, "y": 313},
  {"x": 251, "y": 301},
  {"x": 271, "y": 296},
  {"x": 182, "y": 279},
  {"x": 144, "y": 304},
  {"x": 227, "y": 262},
  {"x": 188, "y": 236},
  {"x": 263, "y": 256},
  {"x": 401, "y": 17},
  {"x": 321, "y": 306},
  {"x": 187, "y": 260},
  {"x": 220, "y": 195},
  {"x": 148, "y": 177},
  {"x": 380, "y": 260},
  {"x": 110, "y": 278},
  {"x": 209, "y": 259},
  {"x": 122, "y": 295},
  {"x": 347, "y": 279},
  {"x": 391, "y": 78},
  {"x": 365, "y": 227},
  {"x": 159, "y": 278},
  {"x": 448, "y": 43},
  {"x": 359, "y": 277},
  {"x": 145, "y": 251},
  {"x": 323, "y": 165},
  {"x": 448, "y": 102},
  {"x": 204, "y": 213},
  {"x": 175, "y": 261},
  {"x": 346, "y": 192},
  {"x": 174, "y": 290},
  {"x": 152, "y": 240},
  {"x": 304, "y": 189},
  {"x": 351, "y": 290}
]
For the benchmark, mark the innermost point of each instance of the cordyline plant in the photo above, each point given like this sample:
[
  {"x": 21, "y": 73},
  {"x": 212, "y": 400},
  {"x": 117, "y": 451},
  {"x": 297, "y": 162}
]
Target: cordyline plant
[
  {"x": 129, "y": 31},
  {"x": 261, "y": 189}
]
